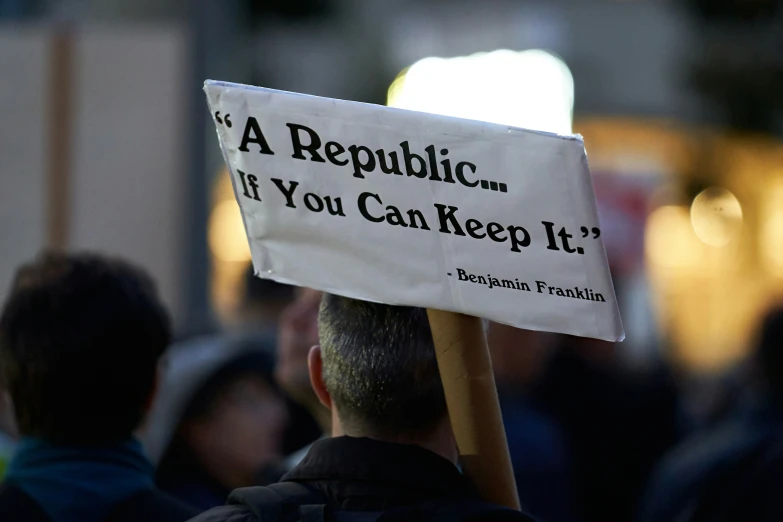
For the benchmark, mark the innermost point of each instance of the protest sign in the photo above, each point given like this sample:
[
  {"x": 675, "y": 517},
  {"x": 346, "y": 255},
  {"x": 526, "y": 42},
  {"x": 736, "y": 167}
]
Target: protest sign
[{"x": 408, "y": 208}]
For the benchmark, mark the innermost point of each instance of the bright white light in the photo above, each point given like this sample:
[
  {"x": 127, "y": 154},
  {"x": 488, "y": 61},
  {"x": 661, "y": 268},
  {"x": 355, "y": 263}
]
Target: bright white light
[{"x": 530, "y": 89}]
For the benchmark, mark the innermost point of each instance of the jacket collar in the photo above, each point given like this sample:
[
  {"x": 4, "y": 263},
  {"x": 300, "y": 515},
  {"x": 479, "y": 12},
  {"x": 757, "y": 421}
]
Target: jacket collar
[
  {"x": 368, "y": 461},
  {"x": 83, "y": 484}
]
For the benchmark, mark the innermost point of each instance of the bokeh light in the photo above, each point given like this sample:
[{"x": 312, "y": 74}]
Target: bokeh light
[
  {"x": 669, "y": 240},
  {"x": 227, "y": 238},
  {"x": 771, "y": 228},
  {"x": 716, "y": 216},
  {"x": 531, "y": 89}
]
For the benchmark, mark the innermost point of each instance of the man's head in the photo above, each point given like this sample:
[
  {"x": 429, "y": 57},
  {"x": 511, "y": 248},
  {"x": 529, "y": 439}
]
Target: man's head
[
  {"x": 80, "y": 337},
  {"x": 376, "y": 367}
]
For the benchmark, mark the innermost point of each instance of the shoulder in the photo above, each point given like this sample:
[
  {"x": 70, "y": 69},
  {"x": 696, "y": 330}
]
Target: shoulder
[
  {"x": 500, "y": 515},
  {"x": 493, "y": 513},
  {"x": 703, "y": 453},
  {"x": 454, "y": 510},
  {"x": 685, "y": 472},
  {"x": 193, "y": 493},
  {"x": 153, "y": 506},
  {"x": 15, "y": 505},
  {"x": 226, "y": 514}
]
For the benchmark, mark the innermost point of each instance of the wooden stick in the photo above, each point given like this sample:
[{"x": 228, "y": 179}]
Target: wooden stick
[
  {"x": 474, "y": 409},
  {"x": 60, "y": 114}
]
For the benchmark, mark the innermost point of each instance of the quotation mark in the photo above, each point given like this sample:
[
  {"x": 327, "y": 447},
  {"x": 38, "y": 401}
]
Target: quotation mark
[
  {"x": 225, "y": 118},
  {"x": 586, "y": 232}
]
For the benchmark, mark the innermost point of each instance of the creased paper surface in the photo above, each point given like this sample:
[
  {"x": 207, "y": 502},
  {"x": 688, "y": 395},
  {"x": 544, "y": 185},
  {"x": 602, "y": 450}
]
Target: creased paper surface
[{"x": 415, "y": 209}]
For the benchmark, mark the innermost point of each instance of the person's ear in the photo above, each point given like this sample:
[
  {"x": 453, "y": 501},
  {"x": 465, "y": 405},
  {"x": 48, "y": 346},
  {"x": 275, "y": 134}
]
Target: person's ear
[{"x": 315, "y": 366}]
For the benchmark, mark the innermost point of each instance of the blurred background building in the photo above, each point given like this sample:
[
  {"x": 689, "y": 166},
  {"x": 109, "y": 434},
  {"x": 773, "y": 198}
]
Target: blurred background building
[{"x": 106, "y": 142}]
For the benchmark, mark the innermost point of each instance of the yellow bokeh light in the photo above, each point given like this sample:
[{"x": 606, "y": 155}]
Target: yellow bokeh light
[
  {"x": 227, "y": 238},
  {"x": 532, "y": 89},
  {"x": 716, "y": 216},
  {"x": 771, "y": 229},
  {"x": 669, "y": 240}
]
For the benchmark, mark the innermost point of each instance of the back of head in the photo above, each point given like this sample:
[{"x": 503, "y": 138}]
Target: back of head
[
  {"x": 380, "y": 369},
  {"x": 769, "y": 353},
  {"x": 80, "y": 337}
]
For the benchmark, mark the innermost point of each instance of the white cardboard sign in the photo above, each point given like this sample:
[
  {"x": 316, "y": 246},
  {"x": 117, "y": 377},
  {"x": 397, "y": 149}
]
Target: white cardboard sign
[{"x": 416, "y": 209}]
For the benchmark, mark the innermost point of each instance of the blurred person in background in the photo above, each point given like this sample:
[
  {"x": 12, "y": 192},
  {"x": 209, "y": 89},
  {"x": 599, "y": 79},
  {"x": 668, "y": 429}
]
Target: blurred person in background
[
  {"x": 260, "y": 307},
  {"x": 264, "y": 317},
  {"x": 218, "y": 421},
  {"x": 535, "y": 442},
  {"x": 731, "y": 472},
  {"x": 616, "y": 423},
  {"x": 80, "y": 339},
  {"x": 298, "y": 334},
  {"x": 7, "y": 428}
]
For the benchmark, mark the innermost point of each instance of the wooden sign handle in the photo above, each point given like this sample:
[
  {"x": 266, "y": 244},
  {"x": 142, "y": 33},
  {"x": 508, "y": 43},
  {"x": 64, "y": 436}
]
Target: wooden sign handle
[{"x": 474, "y": 409}]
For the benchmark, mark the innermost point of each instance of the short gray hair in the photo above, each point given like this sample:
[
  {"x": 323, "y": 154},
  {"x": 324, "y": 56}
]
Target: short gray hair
[{"x": 379, "y": 366}]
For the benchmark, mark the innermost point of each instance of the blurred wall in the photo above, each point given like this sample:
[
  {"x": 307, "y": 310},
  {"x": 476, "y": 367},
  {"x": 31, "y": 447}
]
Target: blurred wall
[
  {"x": 126, "y": 147},
  {"x": 23, "y": 147},
  {"x": 626, "y": 57}
]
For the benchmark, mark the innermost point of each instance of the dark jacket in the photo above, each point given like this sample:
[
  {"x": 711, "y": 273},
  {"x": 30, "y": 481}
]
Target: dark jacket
[
  {"x": 84, "y": 483},
  {"x": 616, "y": 428},
  {"x": 538, "y": 455},
  {"x": 731, "y": 473},
  {"x": 148, "y": 506},
  {"x": 359, "y": 474}
]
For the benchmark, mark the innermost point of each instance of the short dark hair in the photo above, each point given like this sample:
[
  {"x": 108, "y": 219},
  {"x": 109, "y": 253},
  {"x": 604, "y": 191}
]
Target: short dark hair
[
  {"x": 80, "y": 337},
  {"x": 379, "y": 367}
]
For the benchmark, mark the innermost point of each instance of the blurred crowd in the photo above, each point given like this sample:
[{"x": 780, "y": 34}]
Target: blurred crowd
[{"x": 591, "y": 439}]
